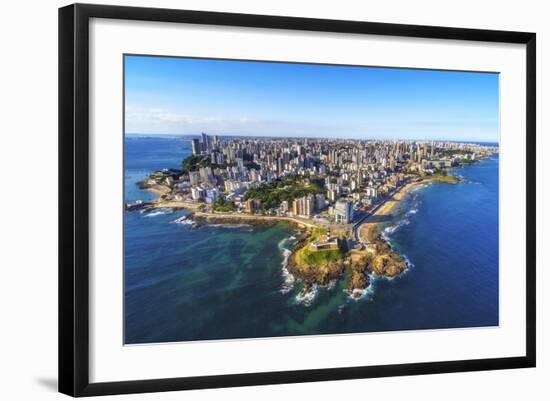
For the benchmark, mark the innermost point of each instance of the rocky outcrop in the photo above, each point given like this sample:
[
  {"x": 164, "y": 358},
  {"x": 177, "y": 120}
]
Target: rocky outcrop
[
  {"x": 315, "y": 274},
  {"x": 358, "y": 280},
  {"x": 387, "y": 262},
  {"x": 379, "y": 259}
]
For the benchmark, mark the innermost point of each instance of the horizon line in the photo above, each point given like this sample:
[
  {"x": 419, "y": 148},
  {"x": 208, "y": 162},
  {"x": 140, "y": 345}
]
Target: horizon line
[{"x": 310, "y": 137}]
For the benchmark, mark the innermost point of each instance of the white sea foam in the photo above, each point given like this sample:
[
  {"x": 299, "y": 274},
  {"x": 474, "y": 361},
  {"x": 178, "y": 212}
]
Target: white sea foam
[
  {"x": 159, "y": 212},
  {"x": 408, "y": 262},
  {"x": 288, "y": 279},
  {"x": 392, "y": 229},
  {"x": 358, "y": 294},
  {"x": 183, "y": 220},
  {"x": 282, "y": 243},
  {"x": 419, "y": 187},
  {"x": 331, "y": 285},
  {"x": 307, "y": 297}
]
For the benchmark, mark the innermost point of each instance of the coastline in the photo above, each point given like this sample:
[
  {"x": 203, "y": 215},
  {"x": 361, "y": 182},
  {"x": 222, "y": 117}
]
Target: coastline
[
  {"x": 369, "y": 229},
  {"x": 160, "y": 203},
  {"x": 222, "y": 269},
  {"x": 229, "y": 217},
  {"x": 372, "y": 256}
]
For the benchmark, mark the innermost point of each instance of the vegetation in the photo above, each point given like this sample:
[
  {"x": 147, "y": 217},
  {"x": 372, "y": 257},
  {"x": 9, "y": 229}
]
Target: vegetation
[
  {"x": 440, "y": 175},
  {"x": 224, "y": 206},
  {"x": 194, "y": 162},
  {"x": 315, "y": 258},
  {"x": 143, "y": 184},
  {"x": 445, "y": 178},
  {"x": 308, "y": 257},
  {"x": 467, "y": 161},
  {"x": 283, "y": 189}
]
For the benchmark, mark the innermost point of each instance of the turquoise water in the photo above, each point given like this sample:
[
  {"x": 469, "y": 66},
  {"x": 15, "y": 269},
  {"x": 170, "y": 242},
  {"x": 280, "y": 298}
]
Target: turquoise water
[{"x": 220, "y": 282}]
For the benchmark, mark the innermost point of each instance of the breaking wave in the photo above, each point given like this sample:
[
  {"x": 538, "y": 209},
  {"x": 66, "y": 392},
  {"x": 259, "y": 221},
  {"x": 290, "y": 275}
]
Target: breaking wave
[
  {"x": 393, "y": 228},
  {"x": 158, "y": 212},
  {"x": 331, "y": 285},
  {"x": 288, "y": 279},
  {"x": 307, "y": 297},
  {"x": 408, "y": 262},
  {"x": 183, "y": 220},
  {"x": 358, "y": 294}
]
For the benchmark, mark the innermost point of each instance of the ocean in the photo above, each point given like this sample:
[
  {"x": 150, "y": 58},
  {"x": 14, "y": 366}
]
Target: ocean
[{"x": 229, "y": 281}]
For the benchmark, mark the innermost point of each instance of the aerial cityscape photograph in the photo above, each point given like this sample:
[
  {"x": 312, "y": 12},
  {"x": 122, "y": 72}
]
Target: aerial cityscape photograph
[{"x": 272, "y": 199}]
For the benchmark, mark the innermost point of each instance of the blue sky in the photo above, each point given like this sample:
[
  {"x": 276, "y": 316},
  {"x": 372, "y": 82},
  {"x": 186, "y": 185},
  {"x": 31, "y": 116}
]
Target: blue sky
[{"x": 165, "y": 95}]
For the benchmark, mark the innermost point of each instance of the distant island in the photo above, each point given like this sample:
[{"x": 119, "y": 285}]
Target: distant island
[{"x": 339, "y": 193}]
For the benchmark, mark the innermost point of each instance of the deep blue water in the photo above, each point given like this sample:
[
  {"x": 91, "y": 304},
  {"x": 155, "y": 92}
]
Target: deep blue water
[{"x": 227, "y": 281}]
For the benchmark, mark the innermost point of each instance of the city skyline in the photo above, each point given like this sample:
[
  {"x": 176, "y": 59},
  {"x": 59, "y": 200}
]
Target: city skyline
[
  {"x": 183, "y": 96},
  {"x": 297, "y": 138}
]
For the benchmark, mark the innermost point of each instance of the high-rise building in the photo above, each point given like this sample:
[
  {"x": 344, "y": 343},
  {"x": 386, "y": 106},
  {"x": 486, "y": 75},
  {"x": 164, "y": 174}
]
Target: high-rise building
[
  {"x": 343, "y": 212},
  {"x": 309, "y": 205},
  {"x": 284, "y": 206},
  {"x": 195, "y": 146},
  {"x": 206, "y": 175},
  {"x": 197, "y": 193},
  {"x": 194, "y": 178},
  {"x": 205, "y": 142},
  {"x": 212, "y": 195},
  {"x": 320, "y": 202},
  {"x": 252, "y": 205},
  {"x": 371, "y": 192},
  {"x": 332, "y": 194},
  {"x": 296, "y": 207},
  {"x": 303, "y": 206}
]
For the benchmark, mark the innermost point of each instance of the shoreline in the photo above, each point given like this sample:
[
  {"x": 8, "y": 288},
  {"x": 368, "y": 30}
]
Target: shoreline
[
  {"x": 386, "y": 209},
  {"x": 366, "y": 230},
  {"x": 253, "y": 218},
  {"x": 374, "y": 257}
]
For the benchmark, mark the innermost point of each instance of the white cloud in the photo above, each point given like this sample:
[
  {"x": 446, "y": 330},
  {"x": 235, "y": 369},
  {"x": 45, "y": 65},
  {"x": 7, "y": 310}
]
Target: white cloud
[
  {"x": 161, "y": 121},
  {"x": 157, "y": 120}
]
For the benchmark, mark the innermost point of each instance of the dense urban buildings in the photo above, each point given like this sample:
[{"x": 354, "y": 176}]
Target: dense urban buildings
[{"x": 306, "y": 178}]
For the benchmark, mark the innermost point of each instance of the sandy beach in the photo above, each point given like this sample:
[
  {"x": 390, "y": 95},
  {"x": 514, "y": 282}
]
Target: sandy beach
[
  {"x": 159, "y": 189},
  {"x": 160, "y": 203},
  {"x": 369, "y": 230}
]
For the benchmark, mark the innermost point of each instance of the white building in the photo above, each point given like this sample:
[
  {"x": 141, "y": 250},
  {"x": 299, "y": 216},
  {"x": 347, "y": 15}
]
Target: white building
[
  {"x": 212, "y": 195},
  {"x": 371, "y": 192},
  {"x": 343, "y": 212},
  {"x": 197, "y": 193}
]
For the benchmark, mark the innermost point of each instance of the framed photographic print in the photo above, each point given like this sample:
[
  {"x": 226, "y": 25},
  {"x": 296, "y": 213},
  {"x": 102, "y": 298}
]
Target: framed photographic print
[{"x": 249, "y": 199}]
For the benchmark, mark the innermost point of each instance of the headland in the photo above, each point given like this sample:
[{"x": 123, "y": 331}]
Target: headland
[{"x": 339, "y": 194}]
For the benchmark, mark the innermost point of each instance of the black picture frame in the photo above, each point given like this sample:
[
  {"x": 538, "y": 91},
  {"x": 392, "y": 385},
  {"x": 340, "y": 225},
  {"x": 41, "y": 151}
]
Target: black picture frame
[{"x": 74, "y": 198}]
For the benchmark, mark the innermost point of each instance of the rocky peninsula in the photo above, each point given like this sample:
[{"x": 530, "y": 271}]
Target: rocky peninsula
[
  {"x": 339, "y": 205},
  {"x": 371, "y": 255},
  {"x": 360, "y": 259}
]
